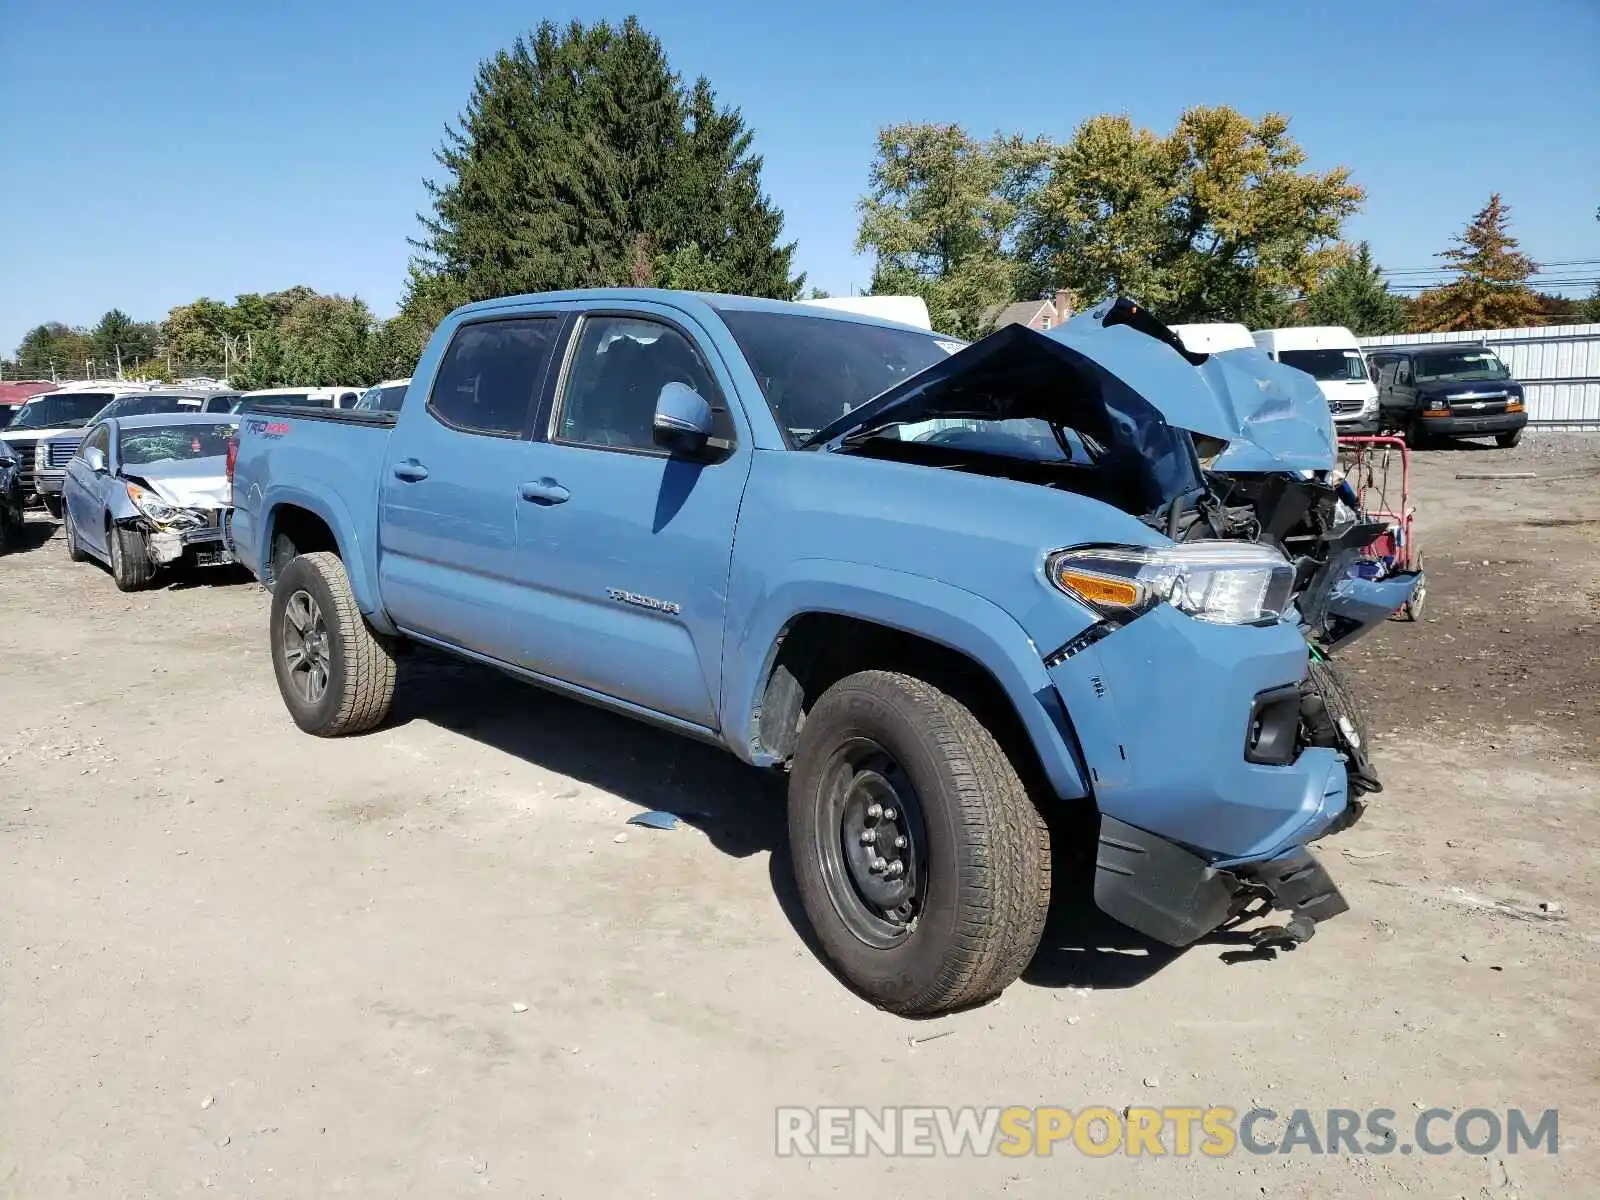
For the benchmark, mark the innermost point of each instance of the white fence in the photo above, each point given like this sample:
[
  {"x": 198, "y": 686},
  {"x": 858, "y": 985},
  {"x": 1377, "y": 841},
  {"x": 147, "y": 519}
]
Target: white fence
[{"x": 1557, "y": 365}]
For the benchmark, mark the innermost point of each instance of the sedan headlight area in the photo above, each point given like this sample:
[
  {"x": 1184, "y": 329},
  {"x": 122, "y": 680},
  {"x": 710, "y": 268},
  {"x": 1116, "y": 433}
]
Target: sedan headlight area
[
  {"x": 1227, "y": 584},
  {"x": 161, "y": 514}
]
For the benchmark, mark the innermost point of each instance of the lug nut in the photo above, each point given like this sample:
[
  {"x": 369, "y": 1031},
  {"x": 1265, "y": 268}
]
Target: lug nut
[
  {"x": 897, "y": 868},
  {"x": 889, "y": 814},
  {"x": 878, "y": 866},
  {"x": 874, "y": 811},
  {"x": 900, "y": 842},
  {"x": 868, "y": 836}
]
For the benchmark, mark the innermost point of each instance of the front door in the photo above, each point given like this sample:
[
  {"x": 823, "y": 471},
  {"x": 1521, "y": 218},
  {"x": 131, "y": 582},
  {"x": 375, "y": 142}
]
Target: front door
[
  {"x": 83, "y": 491},
  {"x": 449, "y": 496},
  {"x": 625, "y": 550}
]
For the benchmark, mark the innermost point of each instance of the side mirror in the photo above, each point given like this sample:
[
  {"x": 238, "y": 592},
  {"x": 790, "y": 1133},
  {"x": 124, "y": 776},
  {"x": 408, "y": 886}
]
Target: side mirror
[
  {"x": 682, "y": 421},
  {"x": 95, "y": 459}
]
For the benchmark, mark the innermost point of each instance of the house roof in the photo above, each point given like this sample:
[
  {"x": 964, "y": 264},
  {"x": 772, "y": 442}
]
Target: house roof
[{"x": 1019, "y": 313}]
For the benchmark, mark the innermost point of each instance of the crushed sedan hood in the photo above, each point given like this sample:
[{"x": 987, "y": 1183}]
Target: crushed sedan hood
[
  {"x": 192, "y": 483},
  {"x": 1128, "y": 371}
]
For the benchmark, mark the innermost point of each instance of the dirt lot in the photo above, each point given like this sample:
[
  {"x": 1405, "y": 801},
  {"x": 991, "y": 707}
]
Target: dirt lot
[{"x": 236, "y": 958}]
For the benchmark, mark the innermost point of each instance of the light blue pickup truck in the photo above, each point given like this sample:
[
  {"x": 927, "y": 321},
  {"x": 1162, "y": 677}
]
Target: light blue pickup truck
[{"x": 961, "y": 594}]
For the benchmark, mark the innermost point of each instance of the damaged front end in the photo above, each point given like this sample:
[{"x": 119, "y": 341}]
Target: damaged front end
[{"x": 174, "y": 532}]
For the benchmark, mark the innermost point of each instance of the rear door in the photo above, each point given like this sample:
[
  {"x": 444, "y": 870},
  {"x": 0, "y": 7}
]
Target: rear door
[
  {"x": 624, "y": 550},
  {"x": 450, "y": 495}
]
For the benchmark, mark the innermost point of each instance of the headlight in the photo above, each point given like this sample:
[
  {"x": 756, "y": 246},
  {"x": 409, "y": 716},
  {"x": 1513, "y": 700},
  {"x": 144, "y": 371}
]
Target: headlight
[
  {"x": 1242, "y": 583},
  {"x": 153, "y": 506}
]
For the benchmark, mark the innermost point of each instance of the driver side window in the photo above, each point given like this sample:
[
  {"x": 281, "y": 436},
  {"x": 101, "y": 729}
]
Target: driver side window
[
  {"x": 618, "y": 369},
  {"x": 99, "y": 440}
]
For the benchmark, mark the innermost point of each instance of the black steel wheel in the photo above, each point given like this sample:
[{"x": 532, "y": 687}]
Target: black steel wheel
[{"x": 921, "y": 860}]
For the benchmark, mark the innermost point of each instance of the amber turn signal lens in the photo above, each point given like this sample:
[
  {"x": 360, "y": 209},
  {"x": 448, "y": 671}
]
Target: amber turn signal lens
[
  {"x": 1100, "y": 589},
  {"x": 1514, "y": 406}
]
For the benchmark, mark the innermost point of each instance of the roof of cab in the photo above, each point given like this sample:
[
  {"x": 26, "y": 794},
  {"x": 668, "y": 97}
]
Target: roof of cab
[
  {"x": 688, "y": 302},
  {"x": 146, "y": 420}
]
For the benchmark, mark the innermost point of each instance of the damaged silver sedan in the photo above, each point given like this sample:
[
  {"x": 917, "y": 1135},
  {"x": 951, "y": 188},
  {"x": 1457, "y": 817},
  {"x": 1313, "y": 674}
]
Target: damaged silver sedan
[{"x": 149, "y": 492}]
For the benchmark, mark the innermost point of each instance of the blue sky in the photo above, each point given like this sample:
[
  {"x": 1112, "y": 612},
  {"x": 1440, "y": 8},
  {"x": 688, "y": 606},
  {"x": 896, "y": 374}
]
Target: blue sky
[{"x": 159, "y": 151}]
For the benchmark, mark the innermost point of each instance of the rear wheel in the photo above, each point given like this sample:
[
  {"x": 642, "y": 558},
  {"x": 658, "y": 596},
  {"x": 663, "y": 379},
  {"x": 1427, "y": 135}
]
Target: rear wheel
[
  {"x": 335, "y": 675},
  {"x": 131, "y": 567},
  {"x": 1507, "y": 440},
  {"x": 921, "y": 860},
  {"x": 74, "y": 550}
]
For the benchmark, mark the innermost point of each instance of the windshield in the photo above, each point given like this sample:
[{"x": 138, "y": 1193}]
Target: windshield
[
  {"x": 6, "y": 411},
  {"x": 382, "y": 399},
  {"x": 813, "y": 370},
  {"x": 1327, "y": 365},
  {"x": 138, "y": 406},
  {"x": 1460, "y": 364},
  {"x": 174, "y": 443},
  {"x": 57, "y": 411}
]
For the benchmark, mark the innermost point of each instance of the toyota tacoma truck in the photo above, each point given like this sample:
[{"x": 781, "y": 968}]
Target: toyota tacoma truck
[{"x": 961, "y": 593}]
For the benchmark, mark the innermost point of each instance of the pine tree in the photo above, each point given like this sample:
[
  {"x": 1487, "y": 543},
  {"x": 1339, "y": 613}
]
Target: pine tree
[
  {"x": 1354, "y": 295},
  {"x": 581, "y": 160},
  {"x": 1491, "y": 291}
]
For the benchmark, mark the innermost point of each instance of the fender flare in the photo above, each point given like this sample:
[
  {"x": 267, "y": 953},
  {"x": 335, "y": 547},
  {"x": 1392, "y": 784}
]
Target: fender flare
[
  {"x": 331, "y": 509},
  {"x": 953, "y": 617}
]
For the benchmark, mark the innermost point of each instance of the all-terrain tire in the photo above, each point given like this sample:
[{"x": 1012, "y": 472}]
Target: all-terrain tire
[
  {"x": 360, "y": 664},
  {"x": 1507, "y": 440},
  {"x": 75, "y": 551},
  {"x": 131, "y": 568},
  {"x": 987, "y": 846}
]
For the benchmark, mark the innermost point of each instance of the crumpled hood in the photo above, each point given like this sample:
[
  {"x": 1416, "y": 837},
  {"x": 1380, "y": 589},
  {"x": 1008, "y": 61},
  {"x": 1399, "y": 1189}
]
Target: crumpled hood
[
  {"x": 192, "y": 483},
  {"x": 1273, "y": 417}
]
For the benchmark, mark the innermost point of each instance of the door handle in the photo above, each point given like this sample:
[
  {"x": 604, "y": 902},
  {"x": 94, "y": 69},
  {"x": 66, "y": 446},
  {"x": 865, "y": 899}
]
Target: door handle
[
  {"x": 410, "y": 470},
  {"x": 545, "y": 491}
]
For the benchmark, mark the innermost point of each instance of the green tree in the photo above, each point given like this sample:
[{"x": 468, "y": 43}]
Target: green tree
[
  {"x": 53, "y": 350},
  {"x": 1491, "y": 290},
  {"x": 581, "y": 160},
  {"x": 939, "y": 217},
  {"x": 1354, "y": 295},
  {"x": 119, "y": 338},
  {"x": 1217, "y": 220},
  {"x": 1588, "y": 311}
]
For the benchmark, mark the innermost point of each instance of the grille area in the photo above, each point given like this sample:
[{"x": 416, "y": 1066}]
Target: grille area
[{"x": 60, "y": 453}]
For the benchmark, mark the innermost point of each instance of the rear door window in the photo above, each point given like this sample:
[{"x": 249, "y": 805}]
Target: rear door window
[{"x": 491, "y": 375}]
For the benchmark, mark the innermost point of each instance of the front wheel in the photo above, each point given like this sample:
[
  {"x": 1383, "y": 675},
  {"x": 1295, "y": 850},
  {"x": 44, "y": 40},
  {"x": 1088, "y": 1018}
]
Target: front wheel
[
  {"x": 921, "y": 860},
  {"x": 1507, "y": 440},
  {"x": 131, "y": 568},
  {"x": 335, "y": 675}
]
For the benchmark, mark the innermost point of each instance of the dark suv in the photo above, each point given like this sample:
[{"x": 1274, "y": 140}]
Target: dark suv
[{"x": 1451, "y": 389}]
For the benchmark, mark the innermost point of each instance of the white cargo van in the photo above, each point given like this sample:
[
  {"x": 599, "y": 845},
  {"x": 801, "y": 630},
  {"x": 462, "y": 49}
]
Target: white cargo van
[
  {"x": 1331, "y": 355},
  {"x": 1214, "y": 337}
]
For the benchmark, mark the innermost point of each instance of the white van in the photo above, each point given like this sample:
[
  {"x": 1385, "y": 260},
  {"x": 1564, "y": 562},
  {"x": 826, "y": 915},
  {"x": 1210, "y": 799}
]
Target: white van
[
  {"x": 908, "y": 310},
  {"x": 1214, "y": 337},
  {"x": 1331, "y": 355},
  {"x": 315, "y": 397}
]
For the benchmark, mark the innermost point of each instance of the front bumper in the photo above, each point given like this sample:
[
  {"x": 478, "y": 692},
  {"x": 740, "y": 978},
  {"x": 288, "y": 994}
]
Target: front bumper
[
  {"x": 1174, "y": 896},
  {"x": 1454, "y": 426},
  {"x": 205, "y": 545},
  {"x": 1356, "y": 426},
  {"x": 49, "y": 483}
]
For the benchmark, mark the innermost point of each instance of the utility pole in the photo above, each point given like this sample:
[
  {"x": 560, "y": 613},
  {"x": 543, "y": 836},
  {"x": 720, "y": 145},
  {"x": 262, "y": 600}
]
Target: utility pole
[{"x": 119, "y": 361}]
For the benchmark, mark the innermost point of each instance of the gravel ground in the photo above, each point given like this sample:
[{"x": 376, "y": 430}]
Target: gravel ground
[{"x": 235, "y": 960}]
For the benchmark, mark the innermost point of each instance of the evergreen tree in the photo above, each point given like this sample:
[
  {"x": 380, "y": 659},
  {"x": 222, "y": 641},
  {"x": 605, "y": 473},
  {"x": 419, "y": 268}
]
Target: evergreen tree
[
  {"x": 1492, "y": 289},
  {"x": 581, "y": 160},
  {"x": 1354, "y": 295}
]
